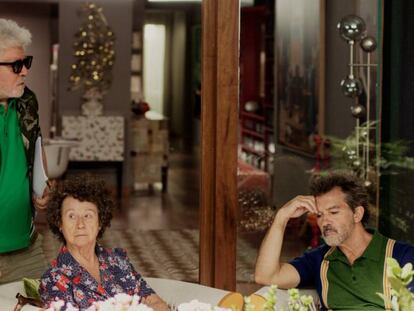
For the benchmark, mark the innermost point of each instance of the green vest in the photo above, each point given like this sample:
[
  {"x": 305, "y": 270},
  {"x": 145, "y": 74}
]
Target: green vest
[{"x": 15, "y": 198}]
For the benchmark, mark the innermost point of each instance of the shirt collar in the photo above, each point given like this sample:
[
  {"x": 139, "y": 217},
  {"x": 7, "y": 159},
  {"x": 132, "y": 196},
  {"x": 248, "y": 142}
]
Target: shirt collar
[{"x": 371, "y": 252}]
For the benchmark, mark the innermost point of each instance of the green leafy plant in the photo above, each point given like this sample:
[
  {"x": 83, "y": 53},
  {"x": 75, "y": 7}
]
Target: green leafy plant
[
  {"x": 393, "y": 154},
  {"x": 402, "y": 299},
  {"x": 296, "y": 301},
  {"x": 31, "y": 287}
]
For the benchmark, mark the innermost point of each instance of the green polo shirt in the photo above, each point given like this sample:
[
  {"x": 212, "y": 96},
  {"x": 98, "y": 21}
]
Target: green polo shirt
[
  {"x": 15, "y": 200},
  {"x": 356, "y": 285}
]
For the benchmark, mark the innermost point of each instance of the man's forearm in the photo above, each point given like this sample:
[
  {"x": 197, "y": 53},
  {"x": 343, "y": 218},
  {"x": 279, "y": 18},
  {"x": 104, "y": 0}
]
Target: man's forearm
[
  {"x": 268, "y": 261},
  {"x": 269, "y": 269}
]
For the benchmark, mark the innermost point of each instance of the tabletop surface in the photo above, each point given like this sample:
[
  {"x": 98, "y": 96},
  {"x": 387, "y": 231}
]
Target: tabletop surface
[{"x": 171, "y": 291}]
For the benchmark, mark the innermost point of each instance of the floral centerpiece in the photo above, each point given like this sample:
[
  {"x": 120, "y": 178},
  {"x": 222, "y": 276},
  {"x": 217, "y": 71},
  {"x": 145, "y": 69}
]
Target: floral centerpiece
[
  {"x": 124, "y": 302},
  {"x": 120, "y": 302}
]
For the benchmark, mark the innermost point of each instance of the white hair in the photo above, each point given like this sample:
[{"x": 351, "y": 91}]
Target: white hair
[{"x": 12, "y": 35}]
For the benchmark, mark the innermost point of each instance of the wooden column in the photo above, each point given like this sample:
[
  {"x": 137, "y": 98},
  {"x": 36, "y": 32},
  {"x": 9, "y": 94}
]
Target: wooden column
[{"x": 219, "y": 91}]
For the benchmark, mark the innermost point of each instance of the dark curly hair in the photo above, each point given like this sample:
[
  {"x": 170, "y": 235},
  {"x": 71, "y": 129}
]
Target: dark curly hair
[
  {"x": 85, "y": 188},
  {"x": 356, "y": 194}
]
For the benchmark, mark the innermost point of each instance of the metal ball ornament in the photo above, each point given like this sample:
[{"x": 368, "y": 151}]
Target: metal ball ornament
[
  {"x": 352, "y": 28},
  {"x": 351, "y": 87},
  {"x": 368, "y": 44},
  {"x": 358, "y": 111}
]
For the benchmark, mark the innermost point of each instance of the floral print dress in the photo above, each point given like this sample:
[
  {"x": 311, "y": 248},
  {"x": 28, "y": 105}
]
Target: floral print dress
[{"x": 67, "y": 280}]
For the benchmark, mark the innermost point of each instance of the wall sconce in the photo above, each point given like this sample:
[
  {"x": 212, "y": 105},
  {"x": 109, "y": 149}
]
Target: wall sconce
[{"x": 352, "y": 29}]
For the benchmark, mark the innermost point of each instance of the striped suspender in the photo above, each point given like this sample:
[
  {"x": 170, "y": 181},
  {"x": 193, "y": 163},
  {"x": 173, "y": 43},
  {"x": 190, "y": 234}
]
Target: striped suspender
[
  {"x": 386, "y": 284},
  {"x": 324, "y": 277}
]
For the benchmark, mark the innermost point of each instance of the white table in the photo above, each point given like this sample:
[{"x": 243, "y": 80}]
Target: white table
[
  {"x": 171, "y": 291},
  {"x": 8, "y": 297},
  {"x": 176, "y": 292}
]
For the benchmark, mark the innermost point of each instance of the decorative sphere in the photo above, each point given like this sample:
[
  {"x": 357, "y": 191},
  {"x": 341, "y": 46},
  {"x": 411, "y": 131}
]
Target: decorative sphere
[
  {"x": 352, "y": 28},
  {"x": 351, "y": 87},
  {"x": 358, "y": 111},
  {"x": 368, "y": 44}
]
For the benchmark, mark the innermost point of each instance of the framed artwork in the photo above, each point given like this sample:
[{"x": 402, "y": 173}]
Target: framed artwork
[{"x": 300, "y": 45}]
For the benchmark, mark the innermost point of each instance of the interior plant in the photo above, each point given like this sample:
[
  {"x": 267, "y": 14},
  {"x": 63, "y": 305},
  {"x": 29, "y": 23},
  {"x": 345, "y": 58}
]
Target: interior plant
[{"x": 393, "y": 154}]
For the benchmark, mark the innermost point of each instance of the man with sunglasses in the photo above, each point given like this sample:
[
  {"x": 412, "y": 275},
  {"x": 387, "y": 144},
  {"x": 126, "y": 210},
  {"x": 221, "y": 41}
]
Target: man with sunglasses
[{"x": 21, "y": 253}]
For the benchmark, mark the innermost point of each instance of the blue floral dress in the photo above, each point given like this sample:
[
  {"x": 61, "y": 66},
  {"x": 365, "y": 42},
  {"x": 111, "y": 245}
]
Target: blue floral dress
[{"x": 67, "y": 280}]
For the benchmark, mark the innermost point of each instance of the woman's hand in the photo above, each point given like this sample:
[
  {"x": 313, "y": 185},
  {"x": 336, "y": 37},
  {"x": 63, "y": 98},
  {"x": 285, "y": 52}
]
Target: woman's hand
[{"x": 155, "y": 302}]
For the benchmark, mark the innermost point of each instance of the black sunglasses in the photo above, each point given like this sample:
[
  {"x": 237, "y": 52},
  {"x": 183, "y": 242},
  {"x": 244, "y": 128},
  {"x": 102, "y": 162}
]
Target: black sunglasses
[{"x": 17, "y": 65}]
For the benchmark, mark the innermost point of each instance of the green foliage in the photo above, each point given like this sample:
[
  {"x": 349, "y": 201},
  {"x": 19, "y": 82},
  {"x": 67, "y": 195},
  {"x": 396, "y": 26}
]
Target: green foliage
[
  {"x": 296, "y": 301},
  {"x": 270, "y": 299},
  {"x": 401, "y": 297},
  {"x": 31, "y": 287},
  {"x": 393, "y": 154}
]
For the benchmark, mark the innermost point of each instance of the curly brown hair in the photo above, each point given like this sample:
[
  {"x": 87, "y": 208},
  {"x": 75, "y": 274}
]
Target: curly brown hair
[
  {"x": 85, "y": 188},
  {"x": 356, "y": 194}
]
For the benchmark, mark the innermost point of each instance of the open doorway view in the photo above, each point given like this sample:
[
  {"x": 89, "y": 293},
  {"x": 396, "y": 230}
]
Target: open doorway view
[
  {"x": 154, "y": 60},
  {"x": 161, "y": 214}
]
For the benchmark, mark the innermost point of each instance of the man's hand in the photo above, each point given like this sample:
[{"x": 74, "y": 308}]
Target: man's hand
[
  {"x": 269, "y": 268},
  {"x": 296, "y": 208},
  {"x": 41, "y": 203}
]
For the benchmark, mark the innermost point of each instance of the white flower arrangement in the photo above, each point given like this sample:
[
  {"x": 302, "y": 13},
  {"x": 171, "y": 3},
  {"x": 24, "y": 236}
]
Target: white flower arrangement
[
  {"x": 120, "y": 302},
  {"x": 124, "y": 302},
  {"x": 195, "y": 305}
]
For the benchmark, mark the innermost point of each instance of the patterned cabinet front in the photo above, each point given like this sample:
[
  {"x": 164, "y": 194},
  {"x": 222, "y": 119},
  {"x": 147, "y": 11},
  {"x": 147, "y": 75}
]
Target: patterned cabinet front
[{"x": 101, "y": 137}]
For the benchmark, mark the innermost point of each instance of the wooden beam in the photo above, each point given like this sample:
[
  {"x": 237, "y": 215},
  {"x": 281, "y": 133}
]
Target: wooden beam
[{"x": 219, "y": 91}]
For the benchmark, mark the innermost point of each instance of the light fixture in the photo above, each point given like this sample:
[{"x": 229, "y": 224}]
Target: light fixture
[{"x": 352, "y": 29}]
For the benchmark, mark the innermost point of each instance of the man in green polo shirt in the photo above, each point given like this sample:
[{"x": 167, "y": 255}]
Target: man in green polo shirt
[
  {"x": 350, "y": 269},
  {"x": 21, "y": 254}
]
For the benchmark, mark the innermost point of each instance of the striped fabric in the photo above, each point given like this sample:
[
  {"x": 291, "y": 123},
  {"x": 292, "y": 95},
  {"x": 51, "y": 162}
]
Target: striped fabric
[
  {"x": 387, "y": 287},
  {"x": 324, "y": 277}
]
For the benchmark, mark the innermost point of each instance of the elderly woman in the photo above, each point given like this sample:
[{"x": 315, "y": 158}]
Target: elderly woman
[{"x": 78, "y": 213}]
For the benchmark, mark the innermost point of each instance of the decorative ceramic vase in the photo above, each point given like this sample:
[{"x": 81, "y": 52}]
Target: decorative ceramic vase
[{"x": 92, "y": 105}]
